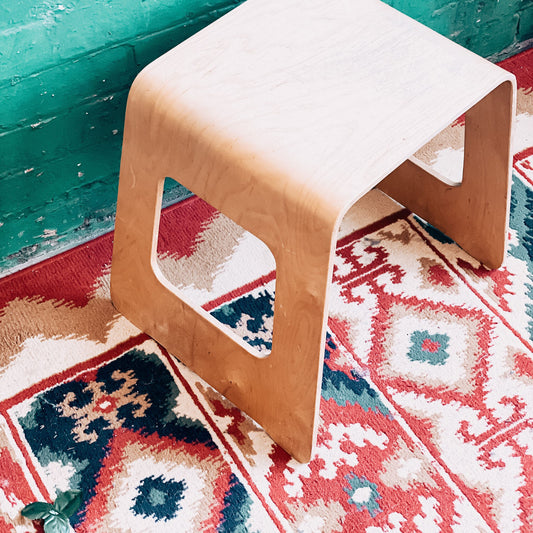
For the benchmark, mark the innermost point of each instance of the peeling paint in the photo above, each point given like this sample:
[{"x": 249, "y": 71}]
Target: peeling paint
[
  {"x": 48, "y": 233},
  {"x": 43, "y": 122}
]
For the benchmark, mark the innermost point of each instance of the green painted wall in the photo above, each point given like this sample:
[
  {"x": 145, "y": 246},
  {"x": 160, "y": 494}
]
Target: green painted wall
[
  {"x": 487, "y": 27},
  {"x": 65, "y": 70}
]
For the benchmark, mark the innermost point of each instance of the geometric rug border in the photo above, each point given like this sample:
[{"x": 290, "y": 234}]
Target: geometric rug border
[
  {"x": 493, "y": 310},
  {"x": 49, "y": 382},
  {"x": 222, "y": 439},
  {"x": 94, "y": 363}
]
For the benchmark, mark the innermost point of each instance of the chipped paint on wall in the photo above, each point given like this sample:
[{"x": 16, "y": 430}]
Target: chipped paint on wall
[{"x": 65, "y": 70}]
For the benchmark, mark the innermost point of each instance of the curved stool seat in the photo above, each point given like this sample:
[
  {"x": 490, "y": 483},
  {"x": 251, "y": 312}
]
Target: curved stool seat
[{"x": 281, "y": 115}]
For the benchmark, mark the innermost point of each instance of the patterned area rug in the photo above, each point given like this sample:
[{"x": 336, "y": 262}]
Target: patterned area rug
[{"x": 427, "y": 397}]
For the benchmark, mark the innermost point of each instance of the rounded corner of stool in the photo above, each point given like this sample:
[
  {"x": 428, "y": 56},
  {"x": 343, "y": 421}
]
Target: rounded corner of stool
[
  {"x": 509, "y": 83},
  {"x": 143, "y": 75},
  {"x": 144, "y": 84}
]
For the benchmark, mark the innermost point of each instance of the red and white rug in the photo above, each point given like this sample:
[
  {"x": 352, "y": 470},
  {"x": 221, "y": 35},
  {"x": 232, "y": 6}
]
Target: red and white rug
[{"x": 426, "y": 417}]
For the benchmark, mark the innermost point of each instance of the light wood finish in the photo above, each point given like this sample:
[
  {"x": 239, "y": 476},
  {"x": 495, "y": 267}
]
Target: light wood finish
[
  {"x": 474, "y": 213},
  {"x": 281, "y": 115}
]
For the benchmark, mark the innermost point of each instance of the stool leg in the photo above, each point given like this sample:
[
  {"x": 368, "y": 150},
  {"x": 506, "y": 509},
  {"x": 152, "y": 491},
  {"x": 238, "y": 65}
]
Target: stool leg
[
  {"x": 280, "y": 391},
  {"x": 474, "y": 213},
  {"x": 300, "y": 318}
]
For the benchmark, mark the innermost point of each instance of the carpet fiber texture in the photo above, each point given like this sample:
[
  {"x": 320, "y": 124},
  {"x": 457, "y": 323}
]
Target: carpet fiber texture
[{"x": 426, "y": 414}]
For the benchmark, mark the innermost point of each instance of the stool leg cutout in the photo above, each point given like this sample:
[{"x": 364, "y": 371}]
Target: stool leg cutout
[
  {"x": 280, "y": 391},
  {"x": 474, "y": 213}
]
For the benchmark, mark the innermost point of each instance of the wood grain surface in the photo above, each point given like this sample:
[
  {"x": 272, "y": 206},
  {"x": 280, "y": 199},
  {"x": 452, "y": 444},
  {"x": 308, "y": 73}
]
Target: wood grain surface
[{"x": 282, "y": 115}]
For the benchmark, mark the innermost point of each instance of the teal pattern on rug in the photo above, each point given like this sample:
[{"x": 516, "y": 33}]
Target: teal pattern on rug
[
  {"x": 521, "y": 220},
  {"x": 255, "y": 309},
  {"x": 75, "y": 425},
  {"x": 429, "y": 348}
]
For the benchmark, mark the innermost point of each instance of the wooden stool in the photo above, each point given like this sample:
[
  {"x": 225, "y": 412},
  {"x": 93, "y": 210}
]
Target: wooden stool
[{"x": 281, "y": 115}]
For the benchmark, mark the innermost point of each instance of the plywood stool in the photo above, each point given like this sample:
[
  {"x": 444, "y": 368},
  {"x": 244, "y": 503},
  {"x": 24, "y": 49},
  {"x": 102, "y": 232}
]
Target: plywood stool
[{"x": 282, "y": 114}]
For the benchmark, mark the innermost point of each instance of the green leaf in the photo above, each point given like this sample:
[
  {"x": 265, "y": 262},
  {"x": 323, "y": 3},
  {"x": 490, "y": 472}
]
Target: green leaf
[
  {"x": 56, "y": 523},
  {"x": 68, "y": 502},
  {"x": 36, "y": 510}
]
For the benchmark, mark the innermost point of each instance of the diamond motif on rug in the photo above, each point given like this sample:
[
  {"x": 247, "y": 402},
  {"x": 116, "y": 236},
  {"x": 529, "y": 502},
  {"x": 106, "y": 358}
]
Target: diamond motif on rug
[
  {"x": 431, "y": 345},
  {"x": 429, "y": 348},
  {"x": 123, "y": 433},
  {"x": 159, "y": 497},
  {"x": 433, "y": 354},
  {"x": 159, "y": 484}
]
